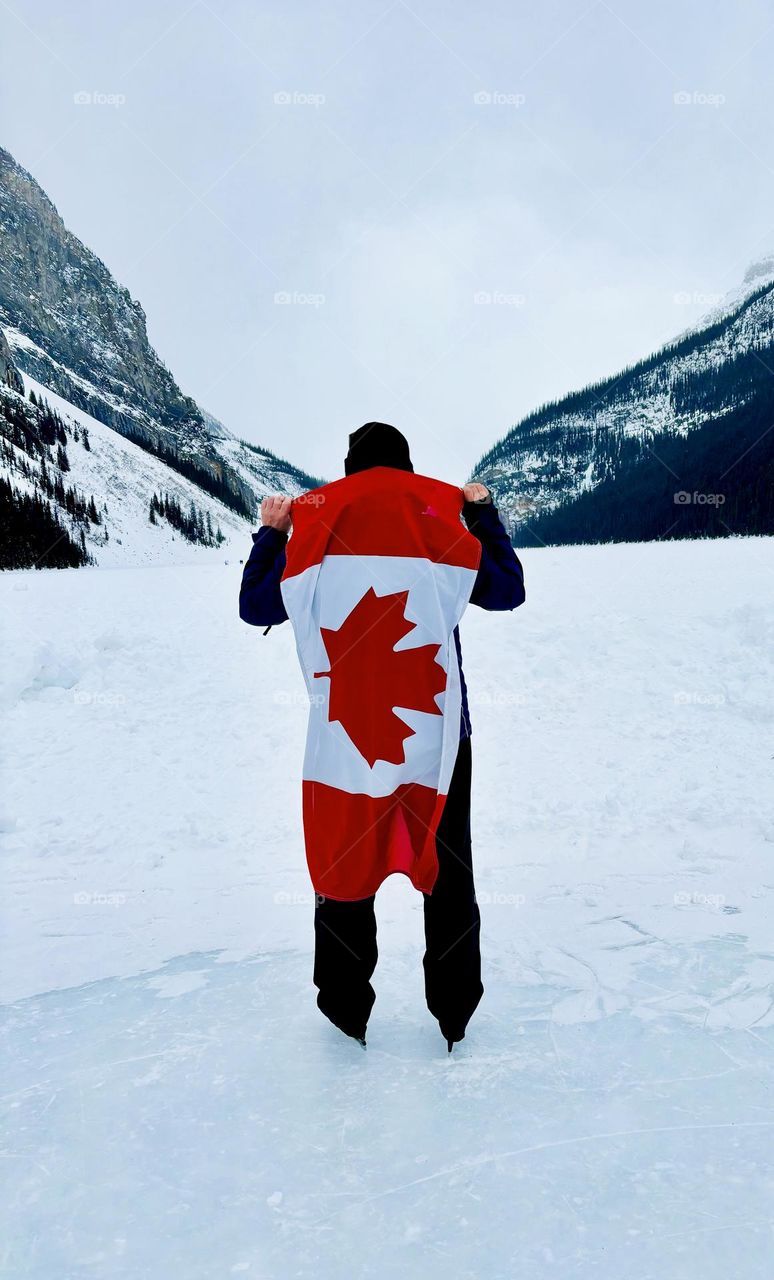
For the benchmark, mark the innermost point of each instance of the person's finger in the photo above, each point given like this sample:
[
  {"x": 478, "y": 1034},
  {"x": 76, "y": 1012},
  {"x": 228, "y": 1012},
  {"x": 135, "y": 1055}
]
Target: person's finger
[{"x": 475, "y": 492}]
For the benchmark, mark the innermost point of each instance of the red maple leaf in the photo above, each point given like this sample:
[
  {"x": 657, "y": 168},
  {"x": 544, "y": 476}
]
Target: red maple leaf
[{"x": 369, "y": 677}]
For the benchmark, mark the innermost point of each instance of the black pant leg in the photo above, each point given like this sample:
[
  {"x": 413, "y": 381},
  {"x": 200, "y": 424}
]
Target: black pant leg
[
  {"x": 452, "y": 960},
  {"x": 344, "y": 961}
]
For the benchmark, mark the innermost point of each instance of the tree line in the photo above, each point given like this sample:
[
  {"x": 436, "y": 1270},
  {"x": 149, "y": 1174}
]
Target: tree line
[
  {"x": 194, "y": 524},
  {"x": 654, "y": 373},
  {"x": 34, "y": 447},
  {"x": 713, "y": 481}
]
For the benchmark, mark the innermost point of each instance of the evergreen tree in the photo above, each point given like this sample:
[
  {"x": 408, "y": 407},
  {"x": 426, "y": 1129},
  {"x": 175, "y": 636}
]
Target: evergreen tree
[{"x": 34, "y": 535}]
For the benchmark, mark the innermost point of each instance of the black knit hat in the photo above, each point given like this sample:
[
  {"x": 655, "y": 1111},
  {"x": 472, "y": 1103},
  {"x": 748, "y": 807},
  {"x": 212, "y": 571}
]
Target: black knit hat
[{"x": 377, "y": 444}]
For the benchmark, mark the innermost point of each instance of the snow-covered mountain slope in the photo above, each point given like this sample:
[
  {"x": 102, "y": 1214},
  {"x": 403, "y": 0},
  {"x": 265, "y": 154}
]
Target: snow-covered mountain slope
[
  {"x": 74, "y": 327},
  {"x": 568, "y": 447},
  {"x": 758, "y": 274},
  {"x": 74, "y": 331},
  {"x": 123, "y": 478},
  {"x": 100, "y": 487},
  {"x": 176, "y": 1104}
]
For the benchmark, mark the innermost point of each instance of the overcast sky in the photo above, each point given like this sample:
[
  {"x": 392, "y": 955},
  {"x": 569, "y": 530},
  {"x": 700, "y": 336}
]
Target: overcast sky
[{"x": 467, "y": 210}]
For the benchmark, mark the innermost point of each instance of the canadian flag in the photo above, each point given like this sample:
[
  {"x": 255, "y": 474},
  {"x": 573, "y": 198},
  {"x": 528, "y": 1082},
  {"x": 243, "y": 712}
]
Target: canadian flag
[{"x": 379, "y": 571}]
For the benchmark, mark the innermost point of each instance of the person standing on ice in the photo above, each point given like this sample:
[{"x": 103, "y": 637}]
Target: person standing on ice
[{"x": 374, "y": 572}]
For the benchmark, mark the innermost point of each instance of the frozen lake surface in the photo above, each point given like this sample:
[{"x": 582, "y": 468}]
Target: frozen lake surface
[{"x": 173, "y": 1102}]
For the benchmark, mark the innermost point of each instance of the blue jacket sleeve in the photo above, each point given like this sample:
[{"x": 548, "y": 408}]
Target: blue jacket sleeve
[
  {"x": 260, "y": 598},
  {"x": 500, "y": 579}
]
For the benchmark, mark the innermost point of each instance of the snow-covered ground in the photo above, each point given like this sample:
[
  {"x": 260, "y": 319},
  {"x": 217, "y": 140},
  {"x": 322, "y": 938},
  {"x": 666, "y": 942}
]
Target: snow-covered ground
[{"x": 174, "y": 1103}]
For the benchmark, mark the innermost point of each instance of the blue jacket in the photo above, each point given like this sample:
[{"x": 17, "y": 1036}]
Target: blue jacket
[{"x": 499, "y": 582}]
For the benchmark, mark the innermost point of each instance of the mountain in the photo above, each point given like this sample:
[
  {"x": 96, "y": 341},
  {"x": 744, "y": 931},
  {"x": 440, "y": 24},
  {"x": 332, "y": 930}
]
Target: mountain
[
  {"x": 671, "y": 446},
  {"x": 9, "y": 374},
  {"x": 76, "y": 340}
]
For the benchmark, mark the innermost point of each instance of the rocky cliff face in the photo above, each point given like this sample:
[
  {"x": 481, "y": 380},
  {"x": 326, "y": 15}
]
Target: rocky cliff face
[
  {"x": 9, "y": 374},
  {"x": 78, "y": 332},
  {"x": 85, "y": 336},
  {"x": 103, "y": 459}
]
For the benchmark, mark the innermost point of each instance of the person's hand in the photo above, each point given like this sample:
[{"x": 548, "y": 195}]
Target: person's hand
[
  {"x": 476, "y": 492},
  {"x": 275, "y": 512}
]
